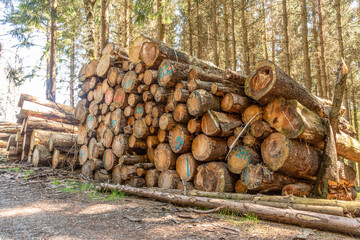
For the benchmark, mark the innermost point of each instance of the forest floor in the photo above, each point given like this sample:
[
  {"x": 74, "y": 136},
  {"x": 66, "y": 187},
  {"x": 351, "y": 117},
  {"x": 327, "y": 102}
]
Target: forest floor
[{"x": 41, "y": 203}]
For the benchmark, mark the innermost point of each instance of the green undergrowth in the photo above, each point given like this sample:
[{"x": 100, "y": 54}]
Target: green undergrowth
[
  {"x": 73, "y": 186},
  {"x": 234, "y": 218}
]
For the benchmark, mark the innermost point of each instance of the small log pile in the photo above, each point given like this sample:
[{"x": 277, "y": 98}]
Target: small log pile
[
  {"x": 45, "y": 135},
  {"x": 157, "y": 117}
]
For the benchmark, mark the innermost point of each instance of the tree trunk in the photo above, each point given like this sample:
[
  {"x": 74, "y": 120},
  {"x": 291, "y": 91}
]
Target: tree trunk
[
  {"x": 214, "y": 177},
  {"x": 305, "y": 45},
  {"x": 199, "y": 30},
  {"x": 160, "y": 25},
  {"x": 245, "y": 46},
  {"x": 104, "y": 23},
  {"x": 226, "y": 34},
  {"x": 72, "y": 71},
  {"x": 90, "y": 41},
  {"x": 316, "y": 49},
  {"x": 265, "y": 30},
  {"x": 233, "y": 35},
  {"x": 214, "y": 12},
  {"x": 63, "y": 141},
  {"x": 322, "y": 52},
  {"x": 286, "y": 38},
  {"x": 190, "y": 33},
  {"x": 297, "y": 189},
  {"x": 51, "y": 93},
  {"x": 44, "y": 124}
]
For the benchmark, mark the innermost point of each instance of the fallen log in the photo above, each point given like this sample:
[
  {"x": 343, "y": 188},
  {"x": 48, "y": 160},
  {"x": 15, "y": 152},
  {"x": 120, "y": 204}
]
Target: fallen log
[
  {"x": 297, "y": 189},
  {"x": 302, "y": 218},
  {"x": 41, "y": 156},
  {"x": 234, "y": 103},
  {"x": 45, "y": 124},
  {"x": 62, "y": 141}
]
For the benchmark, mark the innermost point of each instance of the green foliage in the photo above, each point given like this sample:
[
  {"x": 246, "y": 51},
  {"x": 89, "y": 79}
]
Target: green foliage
[{"x": 16, "y": 169}]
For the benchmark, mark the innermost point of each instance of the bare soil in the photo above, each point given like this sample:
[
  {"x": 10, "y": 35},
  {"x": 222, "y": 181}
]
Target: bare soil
[{"x": 41, "y": 203}]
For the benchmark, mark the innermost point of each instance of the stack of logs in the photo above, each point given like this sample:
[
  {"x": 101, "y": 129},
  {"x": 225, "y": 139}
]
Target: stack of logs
[
  {"x": 154, "y": 116},
  {"x": 47, "y": 134}
]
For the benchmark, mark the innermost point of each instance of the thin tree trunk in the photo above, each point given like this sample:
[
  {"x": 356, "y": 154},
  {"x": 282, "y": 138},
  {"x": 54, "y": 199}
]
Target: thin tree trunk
[
  {"x": 190, "y": 36},
  {"x": 322, "y": 53},
  {"x": 126, "y": 21},
  {"x": 130, "y": 20},
  {"x": 215, "y": 31},
  {"x": 104, "y": 23},
  {"x": 51, "y": 94},
  {"x": 47, "y": 58},
  {"x": 265, "y": 30},
  {"x": 273, "y": 50},
  {"x": 316, "y": 49},
  {"x": 244, "y": 37},
  {"x": 286, "y": 38},
  {"x": 72, "y": 71},
  {"x": 233, "y": 34},
  {"x": 226, "y": 35},
  {"x": 89, "y": 9},
  {"x": 199, "y": 30},
  {"x": 305, "y": 43},
  {"x": 160, "y": 25}
]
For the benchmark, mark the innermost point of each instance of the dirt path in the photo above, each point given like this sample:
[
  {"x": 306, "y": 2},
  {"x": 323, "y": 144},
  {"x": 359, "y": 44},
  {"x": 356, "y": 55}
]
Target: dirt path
[{"x": 43, "y": 204}]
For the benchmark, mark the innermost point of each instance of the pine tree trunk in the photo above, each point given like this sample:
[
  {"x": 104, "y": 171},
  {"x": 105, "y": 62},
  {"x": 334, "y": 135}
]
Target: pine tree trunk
[
  {"x": 104, "y": 23},
  {"x": 245, "y": 46},
  {"x": 160, "y": 25},
  {"x": 199, "y": 30},
  {"x": 226, "y": 34},
  {"x": 286, "y": 38},
  {"x": 233, "y": 34},
  {"x": 215, "y": 31},
  {"x": 72, "y": 72},
  {"x": 51, "y": 94},
  {"x": 90, "y": 42},
  {"x": 265, "y": 30},
  {"x": 305, "y": 45},
  {"x": 316, "y": 49},
  {"x": 272, "y": 32},
  {"x": 190, "y": 33},
  {"x": 126, "y": 21},
  {"x": 322, "y": 53}
]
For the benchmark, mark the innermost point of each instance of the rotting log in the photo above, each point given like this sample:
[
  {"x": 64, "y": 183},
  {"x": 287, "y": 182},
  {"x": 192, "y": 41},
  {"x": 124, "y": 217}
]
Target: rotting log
[
  {"x": 259, "y": 178},
  {"x": 168, "y": 179},
  {"x": 290, "y": 157},
  {"x": 214, "y": 177}
]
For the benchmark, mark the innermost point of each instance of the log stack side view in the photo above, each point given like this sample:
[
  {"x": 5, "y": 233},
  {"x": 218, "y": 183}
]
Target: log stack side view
[
  {"x": 46, "y": 134},
  {"x": 154, "y": 116}
]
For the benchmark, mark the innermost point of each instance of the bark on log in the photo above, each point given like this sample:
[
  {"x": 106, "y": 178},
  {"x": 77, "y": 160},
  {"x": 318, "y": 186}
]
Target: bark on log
[
  {"x": 136, "y": 143},
  {"x": 157, "y": 110},
  {"x": 164, "y": 158},
  {"x": 215, "y": 123},
  {"x": 137, "y": 182},
  {"x": 220, "y": 89},
  {"x": 186, "y": 166},
  {"x": 128, "y": 111},
  {"x": 102, "y": 175},
  {"x": 147, "y": 96},
  {"x": 62, "y": 141},
  {"x": 259, "y": 178},
  {"x": 40, "y": 137},
  {"x": 168, "y": 179},
  {"x": 206, "y": 148},
  {"x": 240, "y": 157},
  {"x": 214, "y": 177},
  {"x": 127, "y": 171},
  {"x": 234, "y": 76},
  {"x": 152, "y": 141},
  {"x": 41, "y": 156},
  {"x": 181, "y": 95},
  {"x": 161, "y": 94},
  {"x": 290, "y": 157},
  {"x": 234, "y": 103},
  {"x": 149, "y": 107},
  {"x": 51, "y": 113},
  {"x": 153, "y": 52},
  {"x": 115, "y": 175},
  {"x": 44, "y": 124},
  {"x": 195, "y": 84},
  {"x": 115, "y": 50},
  {"x": 180, "y": 139},
  {"x": 200, "y": 101},
  {"x": 61, "y": 159}
]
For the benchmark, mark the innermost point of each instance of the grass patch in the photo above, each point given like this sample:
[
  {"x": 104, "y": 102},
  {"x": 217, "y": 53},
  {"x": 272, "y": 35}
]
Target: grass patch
[
  {"x": 15, "y": 169},
  {"x": 70, "y": 186},
  {"x": 236, "y": 220}
]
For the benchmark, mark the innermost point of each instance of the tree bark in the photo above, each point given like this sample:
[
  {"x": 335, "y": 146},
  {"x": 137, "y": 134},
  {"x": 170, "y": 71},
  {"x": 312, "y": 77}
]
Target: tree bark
[
  {"x": 316, "y": 49},
  {"x": 104, "y": 23},
  {"x": 226, "y": 34},
  {"x": 322, "y": 52},
  {"x": 286, "y": 38},
  {"x": 245, "y": 46},
  {"x": 305, "y": 46},
  {"x": 90, "y": 42},
  {"x": 214, "y": 12}
]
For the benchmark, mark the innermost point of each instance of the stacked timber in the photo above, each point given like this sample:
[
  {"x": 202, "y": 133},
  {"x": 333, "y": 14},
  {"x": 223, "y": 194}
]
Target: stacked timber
[
  {"x": 47, "y": 135},
  {"x": 158, "y": 117}
]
